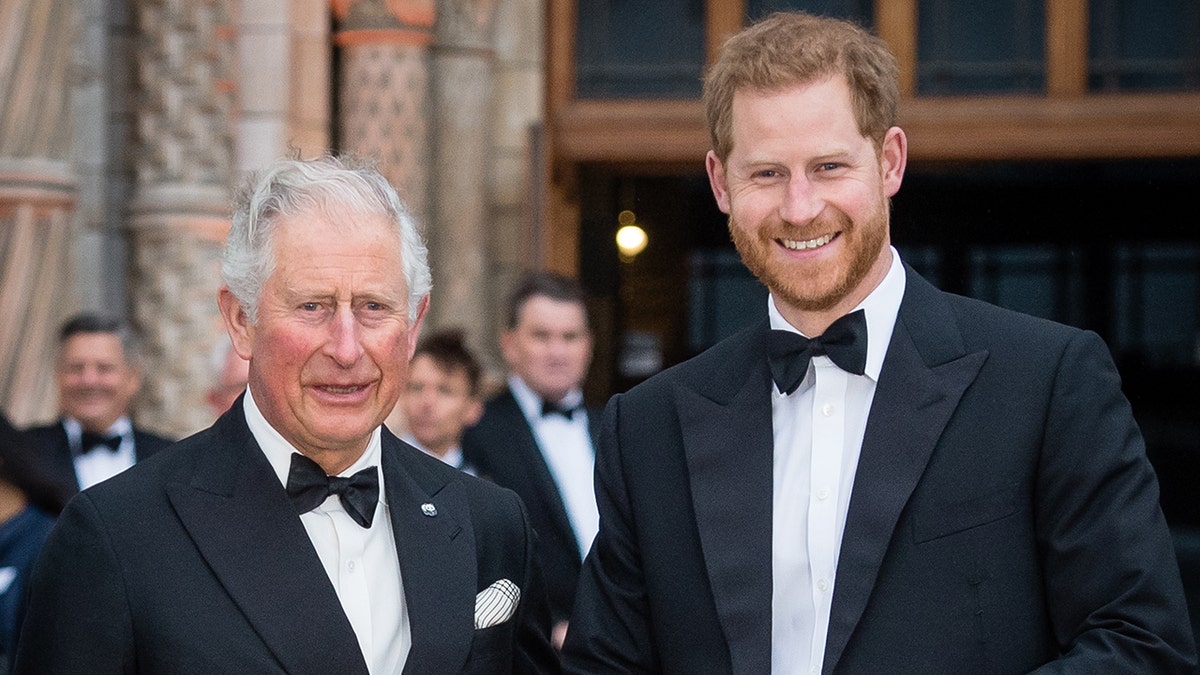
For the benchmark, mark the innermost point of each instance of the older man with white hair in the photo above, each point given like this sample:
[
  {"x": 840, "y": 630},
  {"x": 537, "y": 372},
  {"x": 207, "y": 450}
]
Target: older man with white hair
[{"x": 297, "y": 534}]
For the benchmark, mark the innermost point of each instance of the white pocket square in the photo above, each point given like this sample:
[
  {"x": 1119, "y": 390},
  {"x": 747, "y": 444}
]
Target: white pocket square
[{"x": 496, "y": 604}]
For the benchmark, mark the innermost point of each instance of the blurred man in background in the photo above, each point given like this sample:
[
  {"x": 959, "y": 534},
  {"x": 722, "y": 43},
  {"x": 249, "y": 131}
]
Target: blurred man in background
[
  {"x": 97, "y": 373},
  {"x": 441, "y": 398},
  {"x": 537, "y": 437}
]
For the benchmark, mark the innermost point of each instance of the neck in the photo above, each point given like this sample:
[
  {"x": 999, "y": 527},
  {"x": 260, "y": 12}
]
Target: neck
[{"x": 814, "y": 322}]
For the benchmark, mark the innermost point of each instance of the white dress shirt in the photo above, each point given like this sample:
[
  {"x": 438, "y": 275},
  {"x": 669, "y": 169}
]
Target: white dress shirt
[
  {"x": 100, "y": 464},
  {"x": 362, "y": 563},
  {"x": 818, "y": 434},
  {"x": 566, "y": 445}
]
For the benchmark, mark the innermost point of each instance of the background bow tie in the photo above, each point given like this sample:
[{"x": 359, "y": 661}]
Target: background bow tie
[
  {"x": 308, "y": 486},
  {"x": 90, "y": 441},
  {"x": 549, "y": 408},
  {"x": 844, "y": 342}
]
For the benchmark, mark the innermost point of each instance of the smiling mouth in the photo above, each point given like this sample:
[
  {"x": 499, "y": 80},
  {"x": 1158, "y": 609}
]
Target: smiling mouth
[
  {"x": 350, "y": 389},
  {"x": 807, "y": 244}
]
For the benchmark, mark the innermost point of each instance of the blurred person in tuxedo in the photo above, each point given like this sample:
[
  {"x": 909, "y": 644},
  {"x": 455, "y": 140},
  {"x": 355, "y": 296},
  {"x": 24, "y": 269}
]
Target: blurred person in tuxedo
[
  {"x": 537, "y": 436},
  {"x": 97, "y": 373},
  {"x": 442, "y": 397}
]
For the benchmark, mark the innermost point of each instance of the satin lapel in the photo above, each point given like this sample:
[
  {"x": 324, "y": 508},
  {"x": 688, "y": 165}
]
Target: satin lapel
[
  {"x": 238, "y": 515},
  {"x": 924, "y": 375},
  {"x": 536, "y": 468},
  {"x": 726, "y": 422},
  {"x": 437, "y": 561}
]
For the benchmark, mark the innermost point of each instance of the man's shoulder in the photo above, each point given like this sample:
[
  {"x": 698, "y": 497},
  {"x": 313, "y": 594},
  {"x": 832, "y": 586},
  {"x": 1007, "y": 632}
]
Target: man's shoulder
[
  {"x": 501, "y": 414},
  {"x": 42, "y": 433},
  {"x": 724, "y": 363},
  {"x": 434, "y": 474},
  {"x": 171, "y": 461},
  {"x": 148, "y": 442}
]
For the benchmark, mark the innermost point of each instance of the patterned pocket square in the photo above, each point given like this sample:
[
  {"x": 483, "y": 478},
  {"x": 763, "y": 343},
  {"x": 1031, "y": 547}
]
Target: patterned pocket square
[{"x": 496, "y": 604}]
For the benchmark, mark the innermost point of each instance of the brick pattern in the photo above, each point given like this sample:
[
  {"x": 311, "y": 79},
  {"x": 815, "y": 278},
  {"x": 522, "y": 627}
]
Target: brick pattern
[
  {"x": 384, "y": 115},
  {"x": 183, "y": 168}
]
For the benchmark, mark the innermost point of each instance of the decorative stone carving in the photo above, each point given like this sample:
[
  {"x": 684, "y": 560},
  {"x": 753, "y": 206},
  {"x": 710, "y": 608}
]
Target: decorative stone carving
[
  {"x": 384, "y": 91},
  {"x": 179, "y": 216}
]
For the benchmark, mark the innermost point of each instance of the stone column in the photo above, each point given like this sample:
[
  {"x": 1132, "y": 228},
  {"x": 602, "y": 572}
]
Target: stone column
[
  {"x": 37, "y": 199},
  {"x": 183, "y": 164},
  {"x": 383, "y": 90},
  {"x": 462, "y": 105}
]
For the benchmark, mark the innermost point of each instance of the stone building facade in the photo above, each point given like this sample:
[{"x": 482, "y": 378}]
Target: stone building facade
[{"x": 125, "y": 124}]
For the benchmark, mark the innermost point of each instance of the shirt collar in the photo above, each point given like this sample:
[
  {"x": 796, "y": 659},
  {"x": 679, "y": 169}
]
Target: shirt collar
[
  {"x": 279, "y": 451},
  {"x": 122, "y": 427},
  {"x": 881, "y": 307},
  {"x": 531, "y": 403}
]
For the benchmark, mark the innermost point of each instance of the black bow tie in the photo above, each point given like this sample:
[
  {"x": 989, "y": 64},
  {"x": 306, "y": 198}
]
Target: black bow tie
[
  {"x": 567, "y": 411},
  {"x": 89, "y": 442},
  {"x": 844, "y": 342},
  {"x": 308, "y": 486}
]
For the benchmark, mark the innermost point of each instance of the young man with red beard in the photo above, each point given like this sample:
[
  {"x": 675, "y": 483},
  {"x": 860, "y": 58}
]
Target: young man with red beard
[{"x": 880, "y": 477}]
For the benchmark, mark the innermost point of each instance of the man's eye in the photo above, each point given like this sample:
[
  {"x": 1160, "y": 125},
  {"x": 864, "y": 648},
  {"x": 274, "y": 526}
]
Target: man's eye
[
  {"x": 374, "y": 306},
  {"x": 310, "y": 306},
  {"x": 767, "y": 173},
  {"x": 829, "y": 166}
]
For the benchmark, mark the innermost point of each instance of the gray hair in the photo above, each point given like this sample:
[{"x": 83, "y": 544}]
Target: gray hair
[{"x": 328, "y": 185}]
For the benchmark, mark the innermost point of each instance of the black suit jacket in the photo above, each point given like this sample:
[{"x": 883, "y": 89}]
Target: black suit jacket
[
  {"x": 197, "y": 562},
  {"x": 1003, "y": 514},
  {"x": 503, "y": 449},
  {"x": 57, "y": 464}
]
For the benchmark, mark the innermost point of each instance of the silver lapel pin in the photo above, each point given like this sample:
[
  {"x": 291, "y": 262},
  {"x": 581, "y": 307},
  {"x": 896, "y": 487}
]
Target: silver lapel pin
[{"x": 429, "y": 509}]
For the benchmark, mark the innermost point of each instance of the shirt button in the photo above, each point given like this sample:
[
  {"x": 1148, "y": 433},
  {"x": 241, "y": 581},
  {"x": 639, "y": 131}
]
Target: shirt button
[
  {"x": 822, "y": 584},
  {"x": 827, "y": 409},
  {"x": 823, "y": 494},
  {"x": 350, "y": 566}
]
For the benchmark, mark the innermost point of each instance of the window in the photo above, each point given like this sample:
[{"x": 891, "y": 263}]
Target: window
[
  {"x": 980, "y": 47},
  {"x": 1142, "y": 45},
  {"x": 633, "y": 48}
]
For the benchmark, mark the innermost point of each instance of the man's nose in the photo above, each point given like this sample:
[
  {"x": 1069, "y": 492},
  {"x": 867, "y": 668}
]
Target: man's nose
[
  {"x": 345, "y": 338},
  {"x": 801, "y": 202}
]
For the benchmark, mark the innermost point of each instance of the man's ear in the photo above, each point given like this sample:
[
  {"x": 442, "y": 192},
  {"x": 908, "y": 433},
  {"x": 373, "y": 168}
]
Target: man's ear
[
  {"x": 717, "y": 180},
  {"x": 474, "y": 412},
  {"x": 414, "y": 331},
  {"x": 237, "y": 322},
  {"x": 893, "y": 158}
]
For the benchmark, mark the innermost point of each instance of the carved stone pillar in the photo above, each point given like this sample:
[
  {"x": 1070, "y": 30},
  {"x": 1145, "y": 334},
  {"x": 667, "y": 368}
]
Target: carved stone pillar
[
  {"x": 383, "y": 92},
  {"x": 462, "y": 105},
  {"x": 37, "y": 199},
  {"x": 183, "y": 164}
]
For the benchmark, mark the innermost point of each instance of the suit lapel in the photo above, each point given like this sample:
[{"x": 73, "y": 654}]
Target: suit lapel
[
  {"x": 726, "y": 422},
  {"x": 536, "y": 467},
  {"x": 64, "y": 461},
  {"x": 240, "y": 518},
  {"x": 437, "y": 560},
  {"x": 924, "y": 375}
]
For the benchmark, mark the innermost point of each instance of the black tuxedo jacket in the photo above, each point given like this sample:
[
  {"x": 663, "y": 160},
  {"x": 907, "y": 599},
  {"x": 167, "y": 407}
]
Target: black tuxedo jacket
[
  {"x": 503, "y": 449},
  {"x": 197, "y": 562},
  {"x": 1003, "y": 515},
  {"x": 58, "y": 464}
]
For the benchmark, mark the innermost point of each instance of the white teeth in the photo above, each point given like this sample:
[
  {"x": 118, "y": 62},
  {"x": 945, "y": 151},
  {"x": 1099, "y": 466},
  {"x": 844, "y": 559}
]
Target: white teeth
[
  {"x": 805, "y": 245},
  {"x": 341, "y": 390}
]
